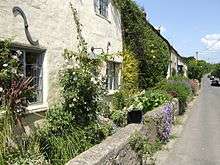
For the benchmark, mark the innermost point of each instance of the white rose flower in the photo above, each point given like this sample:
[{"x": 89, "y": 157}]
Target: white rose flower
[
  {"x": 13, "y": 70},
  {"x": 15, "y": 57},
  {"x": 1, "y": 89},
  {"x": 19, "y": 52},
  {"x": 69, "y": 67},
  {"x": 5, "y": 65},
  {"x": 94, "y": 80}
]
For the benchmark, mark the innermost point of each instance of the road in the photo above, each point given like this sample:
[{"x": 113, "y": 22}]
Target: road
[{"x": 199, "y": 143}]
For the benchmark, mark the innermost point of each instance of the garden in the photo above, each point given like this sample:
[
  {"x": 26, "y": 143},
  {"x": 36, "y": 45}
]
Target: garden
[{"x": 84, "y": 117}]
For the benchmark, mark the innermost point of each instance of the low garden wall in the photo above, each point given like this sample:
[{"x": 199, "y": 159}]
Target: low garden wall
[{"x": 116, "y": 149}]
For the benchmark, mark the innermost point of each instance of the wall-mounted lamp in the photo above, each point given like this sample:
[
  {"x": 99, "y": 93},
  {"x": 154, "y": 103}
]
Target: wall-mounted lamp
[{"x": 93, "y": 48}]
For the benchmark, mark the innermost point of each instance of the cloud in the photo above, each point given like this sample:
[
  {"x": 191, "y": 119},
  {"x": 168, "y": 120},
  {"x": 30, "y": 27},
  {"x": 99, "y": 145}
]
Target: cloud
[
  {"x": 212, "y": 42},
  {"x": 161, "y": 28}
]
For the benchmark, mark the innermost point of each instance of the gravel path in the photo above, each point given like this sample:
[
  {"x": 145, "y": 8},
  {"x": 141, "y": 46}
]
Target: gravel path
[{"x": 199, "y": 143}]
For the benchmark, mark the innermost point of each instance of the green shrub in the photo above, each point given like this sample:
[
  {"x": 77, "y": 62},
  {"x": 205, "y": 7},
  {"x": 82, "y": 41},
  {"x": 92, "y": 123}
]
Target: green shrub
[
  {"x": 119, "y": 117},
  {"x": 24, "y": 150},
  {"x": 119, "y": 101},
  {"x": 142, "y": 146},
  {"x": 58, "y": 149},
  {"x": 147, "y": 100},
  {"x": 129, "y": 73},
  {"x": 178, "y": 89}
]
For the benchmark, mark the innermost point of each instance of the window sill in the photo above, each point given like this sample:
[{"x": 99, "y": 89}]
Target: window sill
[
  {"x": 99, "y": 15},
  {"x": 36, "y": 108},
  {"x": 112, "y": 92}
]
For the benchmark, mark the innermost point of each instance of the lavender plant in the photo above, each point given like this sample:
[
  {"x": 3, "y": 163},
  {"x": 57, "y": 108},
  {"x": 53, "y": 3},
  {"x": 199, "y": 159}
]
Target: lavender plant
[{"x": 166, "y": 124}]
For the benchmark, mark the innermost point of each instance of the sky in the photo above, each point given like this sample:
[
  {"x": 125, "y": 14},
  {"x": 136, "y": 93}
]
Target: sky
[{"x": 189, "y": 25}]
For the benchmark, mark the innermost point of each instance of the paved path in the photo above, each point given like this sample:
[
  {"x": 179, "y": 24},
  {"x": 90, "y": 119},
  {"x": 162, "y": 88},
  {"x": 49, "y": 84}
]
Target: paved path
[{"x": 199, "y": 143}]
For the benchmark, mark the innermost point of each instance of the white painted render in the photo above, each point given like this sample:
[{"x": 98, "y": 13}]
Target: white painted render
[{"x": 51, "y": 22}]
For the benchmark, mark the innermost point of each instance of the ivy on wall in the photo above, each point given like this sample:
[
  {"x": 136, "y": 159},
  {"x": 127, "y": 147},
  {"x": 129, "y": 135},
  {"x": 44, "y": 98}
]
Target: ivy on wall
[{"x": 151, "y": 51}]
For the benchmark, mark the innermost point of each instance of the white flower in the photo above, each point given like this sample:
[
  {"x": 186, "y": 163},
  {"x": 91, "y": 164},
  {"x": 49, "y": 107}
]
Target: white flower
[
  {"x": 13, "y": 70},
  {"x": 5, "y": 65},
  {"x": 74, "y": 100},
  {"x": 19, "y": 52},
  {"x": 1, "y": 89},
  {"x": 22, "y": 75},
  {"x": 69, "y": 67},
  {"x": 15, "y": 57},
  {"x": 94, "y": 80}
]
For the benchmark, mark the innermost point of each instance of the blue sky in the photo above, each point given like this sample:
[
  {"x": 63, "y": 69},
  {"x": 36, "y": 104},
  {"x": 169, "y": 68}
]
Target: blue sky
[{"x": 189, "y": 25}]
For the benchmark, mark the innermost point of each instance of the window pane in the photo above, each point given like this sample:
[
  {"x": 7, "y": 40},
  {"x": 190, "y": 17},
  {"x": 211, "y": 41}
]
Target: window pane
[
  {"x": 34, "y": 69},
  {"x": 103, "y": 7}
]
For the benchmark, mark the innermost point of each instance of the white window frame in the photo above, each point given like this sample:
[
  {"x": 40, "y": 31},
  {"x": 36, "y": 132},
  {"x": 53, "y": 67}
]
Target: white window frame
[
  {"x": 113, "y": 80},
  {"x": 100, "y": 9}
]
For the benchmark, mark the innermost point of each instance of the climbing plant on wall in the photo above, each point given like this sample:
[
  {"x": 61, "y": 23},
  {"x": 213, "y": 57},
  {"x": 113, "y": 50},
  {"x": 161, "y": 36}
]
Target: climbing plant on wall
[{"x": 151, "y": 51}]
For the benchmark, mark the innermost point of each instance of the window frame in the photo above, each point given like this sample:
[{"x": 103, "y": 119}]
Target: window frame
[
  {"x": 102, "y": 8},
  {"x": 38, "y": 51},
  {"x": 113, "y": 82}
]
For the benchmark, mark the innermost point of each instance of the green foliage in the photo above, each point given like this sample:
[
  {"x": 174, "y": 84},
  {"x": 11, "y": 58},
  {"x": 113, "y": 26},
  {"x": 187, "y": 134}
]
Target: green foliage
[
  {"x": 14, "y": 87},
  {"x": 119, "y": 117},
  {"x": 178, "y": 89},
  {"x": 80, "y": 94},
  {"x": 150, "y": 50},
  {"x": 10, "y": 67},
  {"x": 25, "y": 150},
  {"x": 147, "y": 100},
  {"x": 130, "y": 73},
  {"x": 216, "y": 71},
  {"x": 141, "y": 145},
  {"x": 119, "y": 100},
  {"x": 59, "y": 149},
  {"x": 196, "y": 69}
]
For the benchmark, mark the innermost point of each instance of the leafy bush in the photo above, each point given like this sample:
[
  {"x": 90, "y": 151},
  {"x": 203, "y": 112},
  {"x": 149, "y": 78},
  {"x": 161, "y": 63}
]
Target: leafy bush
[
  {"x": 129, "y": 72},
  {"x": 23, "y": 150},
  {"x": 119, "y": 101},
  {"x": 197, "y": 68},
  {"x": 143, "y": 147},
  {"x": 119, "y": 117},
  {"x": 147, "y": 100},
  {"x": 58, "y": 149},
  {"x": 177, "y": 89}
]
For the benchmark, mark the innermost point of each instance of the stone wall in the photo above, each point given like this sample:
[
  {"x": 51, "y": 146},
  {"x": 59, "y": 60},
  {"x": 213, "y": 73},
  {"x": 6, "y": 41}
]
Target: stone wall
[{"x": 115, "y": 149}]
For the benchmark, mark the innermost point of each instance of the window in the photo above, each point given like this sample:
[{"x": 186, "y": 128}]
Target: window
[
  {"x": 113, "y": 70},
  {"x": 101, "y": 7},
  {"x": 32, "y": 64}
]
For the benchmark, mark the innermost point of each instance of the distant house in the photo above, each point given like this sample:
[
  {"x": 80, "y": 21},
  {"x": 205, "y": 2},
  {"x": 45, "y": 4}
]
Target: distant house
[
  {"x": 52, "y": 24},
  {"x": 177, "y": 65}
]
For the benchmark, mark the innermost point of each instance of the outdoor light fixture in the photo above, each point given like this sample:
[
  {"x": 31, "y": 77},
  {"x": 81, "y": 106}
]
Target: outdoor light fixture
[
  {"x": 108, "y": 45},
  {"x": 93, "y": 48}
]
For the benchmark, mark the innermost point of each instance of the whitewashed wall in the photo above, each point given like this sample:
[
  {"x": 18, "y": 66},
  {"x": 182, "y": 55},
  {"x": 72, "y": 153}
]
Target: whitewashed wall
[{"x": 51, "y": 22}]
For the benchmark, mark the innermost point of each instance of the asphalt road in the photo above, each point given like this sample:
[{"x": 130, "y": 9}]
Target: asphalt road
[{"x": 199, "y": 143}]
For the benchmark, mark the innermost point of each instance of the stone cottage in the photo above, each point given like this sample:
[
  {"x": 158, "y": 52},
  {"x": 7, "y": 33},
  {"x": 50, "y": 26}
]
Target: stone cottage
[
  {"x": 42, "y": 29},
  {"x": 177, "y": 64}
]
